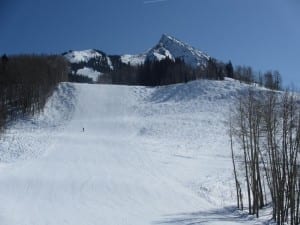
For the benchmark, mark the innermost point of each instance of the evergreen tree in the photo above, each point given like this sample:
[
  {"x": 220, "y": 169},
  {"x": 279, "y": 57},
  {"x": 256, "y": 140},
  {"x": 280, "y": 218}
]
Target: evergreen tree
[{"x": 229, "y": 70}]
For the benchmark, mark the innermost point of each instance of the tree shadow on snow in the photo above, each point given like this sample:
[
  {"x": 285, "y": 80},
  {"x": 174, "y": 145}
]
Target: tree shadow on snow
[{"x": 223, "y": 216}]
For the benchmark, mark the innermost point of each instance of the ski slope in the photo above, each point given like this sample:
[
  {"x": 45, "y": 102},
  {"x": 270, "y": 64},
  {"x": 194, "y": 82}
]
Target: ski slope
[{"x": 146, "y": 156}]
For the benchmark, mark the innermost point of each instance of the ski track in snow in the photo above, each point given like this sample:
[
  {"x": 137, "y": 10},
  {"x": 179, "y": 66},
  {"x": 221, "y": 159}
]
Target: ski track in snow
[{"x": 147, "y": 156}]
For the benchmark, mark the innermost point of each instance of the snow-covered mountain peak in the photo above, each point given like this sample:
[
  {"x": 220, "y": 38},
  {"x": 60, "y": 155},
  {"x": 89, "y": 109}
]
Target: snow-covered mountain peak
[
  {"x": 172, "y": 48},
  {"x": 98, "y": 62},
  {"x": 90, "y": 63},
  {"x": 166, "y": 39}
]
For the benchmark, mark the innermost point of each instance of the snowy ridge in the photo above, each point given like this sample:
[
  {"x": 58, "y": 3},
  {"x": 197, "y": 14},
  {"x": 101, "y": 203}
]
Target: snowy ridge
[
  {"x": 147, "y": 156},
  {"x": 167, "y": 47},
  {"x": 82, "y": 56},
  {"x": 90, "y": 63},
  {"x": 134, "y": 60},
  {"x": 172, "y": 48}
]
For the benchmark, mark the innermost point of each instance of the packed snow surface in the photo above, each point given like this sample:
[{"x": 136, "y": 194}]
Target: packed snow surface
[
  {"x": 89, "y": 72},
  {"x": 146, "y": 156}
]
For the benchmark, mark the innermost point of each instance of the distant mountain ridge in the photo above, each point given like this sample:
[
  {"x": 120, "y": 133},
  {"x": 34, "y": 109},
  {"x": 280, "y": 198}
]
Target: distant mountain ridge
[{"x": 98, "y": 62}]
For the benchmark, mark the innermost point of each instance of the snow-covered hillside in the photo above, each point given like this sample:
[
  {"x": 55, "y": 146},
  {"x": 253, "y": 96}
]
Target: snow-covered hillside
[
  {"x": 89, "y": 72},
  {"x": 90, "y": 63},
  {"x": 172, "y": 48},
  {"x": 133, "y": 60},
  {"x": 82, "y": 56},
  {"x": 146, "y": 156}
]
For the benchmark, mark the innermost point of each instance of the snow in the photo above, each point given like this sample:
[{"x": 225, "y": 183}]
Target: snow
[
  {"x": 134, "y": 60},
  {"x": 109, "y": 63},
  {"x": 146, "y": 156},
  {"x": 89, "y": 72},
  {"x": 82, "y": 56},
  {"x": 171, "y": 47},
  {"x": 31, "y": 137},
  {"x": 163, "y": 53},
  {"x": 167, "y": 47}
]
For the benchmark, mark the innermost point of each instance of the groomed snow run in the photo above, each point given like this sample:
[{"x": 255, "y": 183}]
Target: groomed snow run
[{"x": 146, "y": 156}]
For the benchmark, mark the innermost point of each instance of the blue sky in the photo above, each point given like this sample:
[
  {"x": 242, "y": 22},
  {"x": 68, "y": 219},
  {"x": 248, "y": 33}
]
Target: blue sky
[{"x": 262, "y": 33}]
